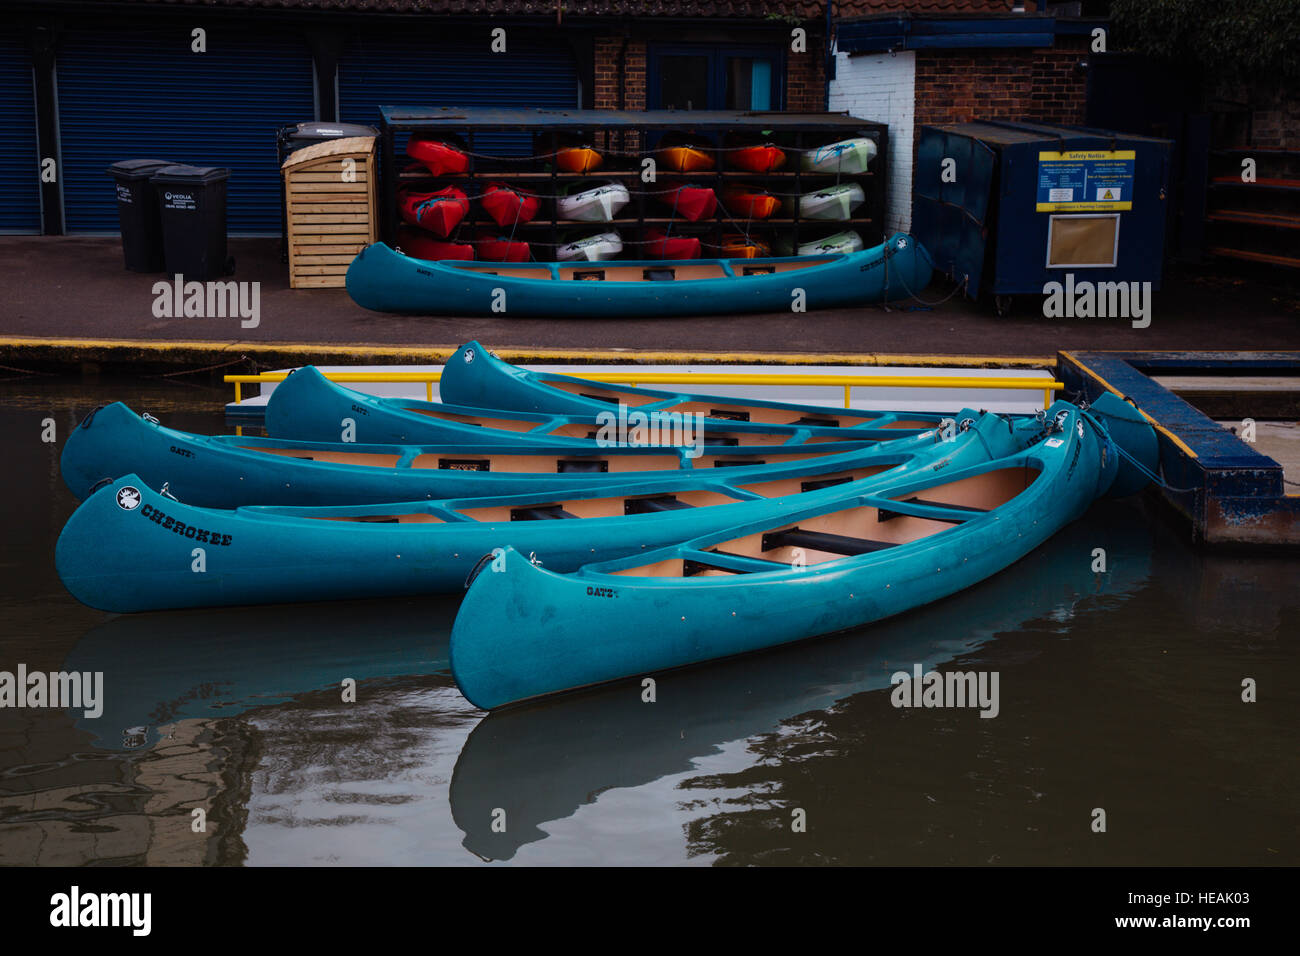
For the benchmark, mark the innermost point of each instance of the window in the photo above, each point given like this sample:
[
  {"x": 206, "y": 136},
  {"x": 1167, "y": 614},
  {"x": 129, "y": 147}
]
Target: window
[{"x": 687, "y": 77}]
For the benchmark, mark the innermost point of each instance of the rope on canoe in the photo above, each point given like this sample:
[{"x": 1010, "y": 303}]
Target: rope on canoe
[{"x": 1153, "y": 477}]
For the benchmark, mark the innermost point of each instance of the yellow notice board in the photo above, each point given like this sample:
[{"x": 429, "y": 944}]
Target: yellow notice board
[{"x": 1085, "y": 180}]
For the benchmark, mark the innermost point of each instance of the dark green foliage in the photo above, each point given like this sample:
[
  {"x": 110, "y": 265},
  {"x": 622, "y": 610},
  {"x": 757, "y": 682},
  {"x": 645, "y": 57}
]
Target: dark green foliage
[{"x": 1243, "y": 39}]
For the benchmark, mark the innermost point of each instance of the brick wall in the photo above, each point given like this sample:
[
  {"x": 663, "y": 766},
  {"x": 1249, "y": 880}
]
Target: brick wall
[
  {"x": 805, "y": 77},
  {"x": 879, "y": 87},
  {"x": 1035, "y": 85}
]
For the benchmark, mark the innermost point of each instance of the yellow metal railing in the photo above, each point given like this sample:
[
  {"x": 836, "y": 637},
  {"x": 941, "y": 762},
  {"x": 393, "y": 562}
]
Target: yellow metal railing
[{"x": 636, "y": 377}]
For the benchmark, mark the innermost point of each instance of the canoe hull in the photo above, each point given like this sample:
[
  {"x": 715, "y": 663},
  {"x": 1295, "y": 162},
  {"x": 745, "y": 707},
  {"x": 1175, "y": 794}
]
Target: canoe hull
[
  {"x": 386, "y": 281},
  {"x": 226, "y": 471},
  {"x": 127, "y": 552},
  {"x": 475, "y": 377},
  {"x": 527, "y": 632}
]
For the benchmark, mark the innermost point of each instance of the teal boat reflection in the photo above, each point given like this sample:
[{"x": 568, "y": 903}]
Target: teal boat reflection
[
  {"x": 170, "y": 666},
  {"x": 538, "y": 763}
]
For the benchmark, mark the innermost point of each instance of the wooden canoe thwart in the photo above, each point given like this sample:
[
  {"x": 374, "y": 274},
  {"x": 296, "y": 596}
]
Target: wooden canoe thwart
[
  {"x": 387, "y": 281},
  {"x": 525, "y": 630}
]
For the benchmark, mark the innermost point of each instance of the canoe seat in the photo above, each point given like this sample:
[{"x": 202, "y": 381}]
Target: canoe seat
[
  {"x": 720, "y": 440},
  {"x": 887, "y": 515},
  {"x": 600, "y": 398},
  {"x": 823, "y": 422},
  {"x": 659, "y": 275},
  {"x": 727, "y": 415},
  {"x": 573, "y": 466},
  {"x": 729, "y": 562},
  {"x": 539, "y": 513},
  {"x": 645, "y": 506},
  {"x": 822, "y": 541},
  {"x": 818, "y": 483},
  {"x": 738, "y": 462}
]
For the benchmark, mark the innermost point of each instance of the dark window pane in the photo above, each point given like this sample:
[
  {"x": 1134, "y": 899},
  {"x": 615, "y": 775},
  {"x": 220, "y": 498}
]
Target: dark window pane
[{"x": 684, "y": 82}]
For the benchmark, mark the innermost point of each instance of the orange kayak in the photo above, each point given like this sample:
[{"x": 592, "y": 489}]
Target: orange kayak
[
  {"x": 748, "y": 202},
  {"x": 685, "y": 159},
  {"x": 578, "y": 159},
  {"x": 757, "y": 159},
  {"x": 743, "y": 247}
]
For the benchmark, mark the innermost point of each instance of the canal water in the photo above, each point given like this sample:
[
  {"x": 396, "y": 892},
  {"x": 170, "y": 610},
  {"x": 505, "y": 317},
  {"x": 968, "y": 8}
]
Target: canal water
[{"x": 1119, "y": 692}]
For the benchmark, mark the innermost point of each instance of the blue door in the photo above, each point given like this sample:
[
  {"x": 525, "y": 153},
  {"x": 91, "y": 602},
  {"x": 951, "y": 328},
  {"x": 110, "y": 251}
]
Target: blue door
[
  {"x": 20, "y": 190},
  {"x": 145, "y": 94}
]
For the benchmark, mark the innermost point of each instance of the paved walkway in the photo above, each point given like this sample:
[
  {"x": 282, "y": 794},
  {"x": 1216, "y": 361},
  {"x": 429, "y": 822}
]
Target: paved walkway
[{"x": 75, "y": 288}]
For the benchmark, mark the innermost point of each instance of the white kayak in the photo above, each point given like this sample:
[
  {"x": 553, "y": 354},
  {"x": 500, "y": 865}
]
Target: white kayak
[
  {"x": 604, "y": 245},
  {"x": 840, "y": 242},
  {"x": 833, "y": 202},
  {"x": 848, "y": 157},
  {"x": 599, "y": 204}
]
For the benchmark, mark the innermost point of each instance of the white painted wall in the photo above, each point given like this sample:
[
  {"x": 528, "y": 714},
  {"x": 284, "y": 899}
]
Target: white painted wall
[{"x": 882, "y": 87}]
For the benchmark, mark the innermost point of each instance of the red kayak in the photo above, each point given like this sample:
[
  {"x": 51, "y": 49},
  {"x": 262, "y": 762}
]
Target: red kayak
[
  {"x": 440, "y": 211},
  {"x": 496, "y": 248},
  {"x": 509, "y": 206},
  {"x": 659, "y": 245},
  {"x": 757, "y": 159},
  {"x": 439, "y": 158},
  {"x": 690, "y": 202},
  {"x": 419, "y": 244}
]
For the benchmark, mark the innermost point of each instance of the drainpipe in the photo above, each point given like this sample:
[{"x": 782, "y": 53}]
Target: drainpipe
[
  {"x": 828, "y": 73},
  {"x": 42, "y": 44}
]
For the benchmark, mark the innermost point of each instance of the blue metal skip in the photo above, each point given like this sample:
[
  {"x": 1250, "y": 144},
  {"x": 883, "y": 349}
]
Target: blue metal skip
[{"x": 1229, "y": 492}]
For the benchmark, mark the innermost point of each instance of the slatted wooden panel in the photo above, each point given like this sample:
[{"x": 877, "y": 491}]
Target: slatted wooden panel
[{"x": 331, "y": 215}]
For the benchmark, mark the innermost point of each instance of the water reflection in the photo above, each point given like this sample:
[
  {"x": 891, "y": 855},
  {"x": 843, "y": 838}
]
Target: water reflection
[
  {"x": 163, "y": 667},
  {"x": 542, "y": 763}
]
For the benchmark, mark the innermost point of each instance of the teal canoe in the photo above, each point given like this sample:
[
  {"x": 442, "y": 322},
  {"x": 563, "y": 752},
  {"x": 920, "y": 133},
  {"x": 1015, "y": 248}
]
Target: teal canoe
[
  {"x": 525, "y": 631},
  {"x": 307, "y": 406},
  {"x": 225, "y": 471},
  {"x": 385, "y": 280},
  {"x": 473, "y": 376},
  {"x": 129, "y": 548}
]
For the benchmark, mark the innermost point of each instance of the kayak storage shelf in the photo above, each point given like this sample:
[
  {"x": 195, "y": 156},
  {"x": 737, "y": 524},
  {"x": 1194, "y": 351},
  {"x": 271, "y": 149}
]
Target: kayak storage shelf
[{"x": 622, "y": 140}]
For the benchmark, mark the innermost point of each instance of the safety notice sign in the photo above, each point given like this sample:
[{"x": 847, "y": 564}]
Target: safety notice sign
[{"x": 1085, "y": 180}]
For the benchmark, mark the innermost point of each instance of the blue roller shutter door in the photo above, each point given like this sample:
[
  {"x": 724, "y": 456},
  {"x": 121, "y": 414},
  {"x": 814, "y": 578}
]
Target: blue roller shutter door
[
  {"x": 20, "y": 191},
  {"x": 143, "y": 94},
  {"x": 457, "y": 70}
]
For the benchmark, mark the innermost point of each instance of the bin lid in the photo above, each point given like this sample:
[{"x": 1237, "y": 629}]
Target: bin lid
[
  {"x": 318, "y": 131},
  {"x": 138, "y": 168},
  {"x": 191, "y": 175}
]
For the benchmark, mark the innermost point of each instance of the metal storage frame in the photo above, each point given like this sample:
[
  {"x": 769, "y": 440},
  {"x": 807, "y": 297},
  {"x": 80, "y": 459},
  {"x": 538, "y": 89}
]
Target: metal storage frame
[{"x": 641, "y": 128}]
